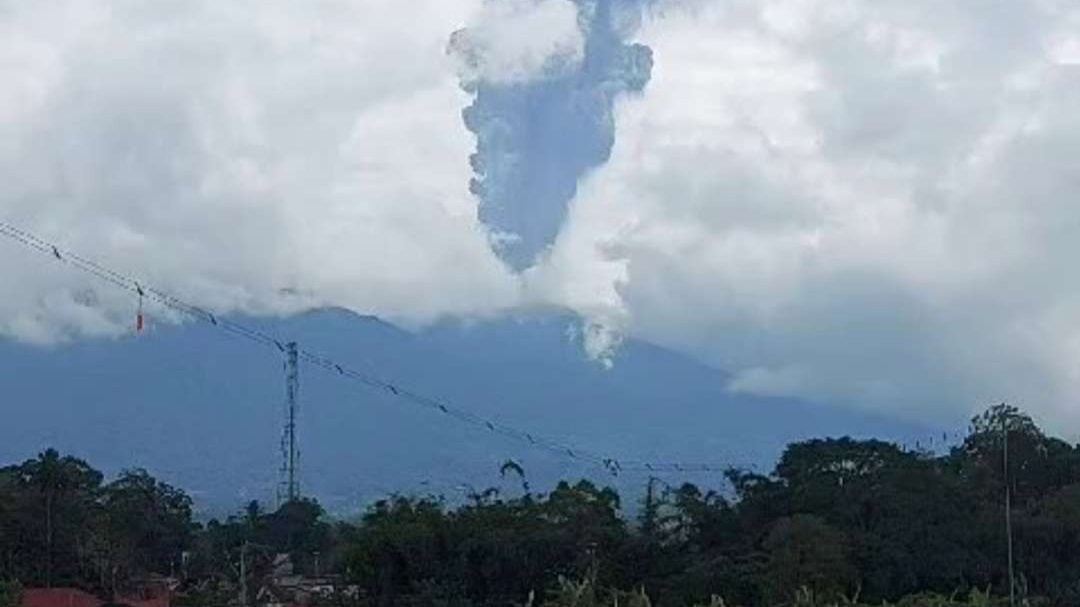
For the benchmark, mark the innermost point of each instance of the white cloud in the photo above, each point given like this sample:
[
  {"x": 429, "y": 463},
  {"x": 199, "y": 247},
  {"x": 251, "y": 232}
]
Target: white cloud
[
  {"x": 510, "y": 41},
  {"x": 229, "y": 150},
  {"x": 869, "y": 202}
]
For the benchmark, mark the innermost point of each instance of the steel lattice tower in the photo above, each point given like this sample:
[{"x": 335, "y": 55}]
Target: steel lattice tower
[{"x": 290, "y": 454}]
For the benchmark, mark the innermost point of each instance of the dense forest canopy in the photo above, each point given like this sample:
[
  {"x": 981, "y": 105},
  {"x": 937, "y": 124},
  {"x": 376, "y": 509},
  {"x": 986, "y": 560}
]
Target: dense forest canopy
[{"x": 837, "y": 520}]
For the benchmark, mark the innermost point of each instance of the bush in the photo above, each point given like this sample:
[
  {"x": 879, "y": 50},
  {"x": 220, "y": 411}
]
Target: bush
[{"x": 10, "y": 594}]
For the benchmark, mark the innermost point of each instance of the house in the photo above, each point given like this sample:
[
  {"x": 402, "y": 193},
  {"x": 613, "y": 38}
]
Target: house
[
  {"x": 58, "y": 597},
  {"x": 286, "y": 588},
  {"x": 149, "y": 592}
]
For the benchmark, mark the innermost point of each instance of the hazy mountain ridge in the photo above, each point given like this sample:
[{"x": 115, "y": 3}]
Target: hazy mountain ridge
[{"x": 203, "y": 409}]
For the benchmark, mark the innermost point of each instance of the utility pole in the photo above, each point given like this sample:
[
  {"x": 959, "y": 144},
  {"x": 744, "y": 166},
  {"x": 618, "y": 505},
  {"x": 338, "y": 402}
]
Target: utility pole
[
  {"x": 243, "y": 575},
  {"x": 1008, "y": 508},
  {"x": 594, "y": 566},
  {"x": 290, "y": 490}
]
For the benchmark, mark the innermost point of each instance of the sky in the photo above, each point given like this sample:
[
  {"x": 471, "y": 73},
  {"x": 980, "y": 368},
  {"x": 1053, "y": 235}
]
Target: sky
[{"x": 861, "y": 202}]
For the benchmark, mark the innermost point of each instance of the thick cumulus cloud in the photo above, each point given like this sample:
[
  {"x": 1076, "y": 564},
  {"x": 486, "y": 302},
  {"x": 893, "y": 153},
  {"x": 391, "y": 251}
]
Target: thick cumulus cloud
[
  {"x": 516, "y": 41},
  {"x": 862, "y": 201},
  {"x": 254, "y": 156}
]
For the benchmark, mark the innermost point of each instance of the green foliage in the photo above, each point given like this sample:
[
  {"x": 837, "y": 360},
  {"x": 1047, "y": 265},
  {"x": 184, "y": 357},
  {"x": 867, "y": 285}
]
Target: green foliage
[
  {"x": 838, "y": 522},
  {"x": 10, "y": 594},
  {"x": 60, "y": 526},
  {"x": 807, "y": 558},
  {"x": 148, "y": 523},
  {"x": 50, "y": 504}
]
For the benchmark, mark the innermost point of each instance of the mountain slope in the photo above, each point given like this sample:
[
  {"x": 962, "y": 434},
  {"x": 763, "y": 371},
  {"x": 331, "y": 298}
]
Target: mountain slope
[{"x": 204, "y": 409}]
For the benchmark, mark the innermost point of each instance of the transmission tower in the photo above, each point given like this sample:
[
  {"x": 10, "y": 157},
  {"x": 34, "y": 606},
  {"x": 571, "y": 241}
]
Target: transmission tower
[{"x": 290, "y": 455}]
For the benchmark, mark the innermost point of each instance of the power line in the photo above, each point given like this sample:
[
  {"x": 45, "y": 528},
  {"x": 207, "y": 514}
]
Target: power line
[{"x": 613, "y": 465}]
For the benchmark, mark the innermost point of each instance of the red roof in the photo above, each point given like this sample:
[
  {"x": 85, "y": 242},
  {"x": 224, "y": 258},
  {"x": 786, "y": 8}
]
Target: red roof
[
  {"x": 58, "y": 597},
  {"x": 71, "y": 597}
]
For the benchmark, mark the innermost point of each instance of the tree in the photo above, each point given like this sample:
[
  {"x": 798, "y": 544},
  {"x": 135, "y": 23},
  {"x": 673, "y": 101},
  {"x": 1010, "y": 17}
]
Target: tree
[
  {"x": 148, "y": 522},
  {"x": 804, "y": 552},
  {"x": 297, "y": 528},
  {"x": 65, "y": 488},
  {"x": 649, "y": 518},
  {"x": 402, "y": 542},
  {"x": 1037, "y": 464},
  {"x": 10, "y": 594},
  {"x": 835, "y": 516}
]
